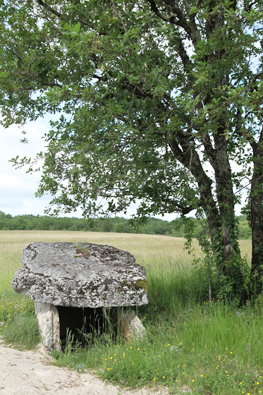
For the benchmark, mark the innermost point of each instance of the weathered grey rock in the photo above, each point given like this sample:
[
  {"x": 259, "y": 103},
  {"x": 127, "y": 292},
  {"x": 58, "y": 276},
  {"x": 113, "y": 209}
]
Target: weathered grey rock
[
  {"x": 48, "y": 320},
  {"x": 131, "y": 326},
  {"x": 80, "y": 275}
]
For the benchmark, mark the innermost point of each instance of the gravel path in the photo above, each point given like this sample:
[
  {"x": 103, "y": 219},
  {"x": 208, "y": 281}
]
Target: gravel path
[{"x": 29, "y": 372}]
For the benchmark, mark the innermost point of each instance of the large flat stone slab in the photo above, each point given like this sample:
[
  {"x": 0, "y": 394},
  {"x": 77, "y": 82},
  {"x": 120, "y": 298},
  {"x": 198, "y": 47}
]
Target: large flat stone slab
[{"x": 81, "y": 275}]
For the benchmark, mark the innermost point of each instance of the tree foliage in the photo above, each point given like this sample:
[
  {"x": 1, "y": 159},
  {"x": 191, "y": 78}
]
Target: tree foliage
[{"x": 157, "y": 100}]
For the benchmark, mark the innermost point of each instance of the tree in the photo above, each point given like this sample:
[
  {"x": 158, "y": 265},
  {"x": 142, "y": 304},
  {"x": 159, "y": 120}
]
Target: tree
[{"x": 157, "y": 98}]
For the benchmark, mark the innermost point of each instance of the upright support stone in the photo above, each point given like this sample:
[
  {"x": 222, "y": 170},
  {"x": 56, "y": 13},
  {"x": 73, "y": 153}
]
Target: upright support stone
[
  {"x": 131, "y": 326},
  {"x": 48, "y": 319}
]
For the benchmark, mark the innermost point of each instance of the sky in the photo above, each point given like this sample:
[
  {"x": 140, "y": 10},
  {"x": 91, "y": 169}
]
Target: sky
[{"x": 17, "y": 188}]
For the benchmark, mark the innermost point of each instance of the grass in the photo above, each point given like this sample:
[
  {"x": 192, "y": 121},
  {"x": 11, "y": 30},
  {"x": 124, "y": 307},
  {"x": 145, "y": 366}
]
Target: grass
[
  {"x": 205, "y": 349},
  {"x": 149, "y": 250},
  {"x": 19, "y": 324},
  {"x": 208, "y": 347}
]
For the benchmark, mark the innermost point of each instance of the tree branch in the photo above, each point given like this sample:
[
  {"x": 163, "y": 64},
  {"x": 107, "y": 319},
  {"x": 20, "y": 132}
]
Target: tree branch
[
  {"x": 178, "y": 206},
  {"x": 210, "y": 151},
  {"x": 50, "y": 9},
  {"x": 182, "y": 23},
  {"x": 60, "y": 16},
  {"x": 195, "y": 35},
  {"x": 249, "y": 87},
  {"x": 178, "y": 18}
]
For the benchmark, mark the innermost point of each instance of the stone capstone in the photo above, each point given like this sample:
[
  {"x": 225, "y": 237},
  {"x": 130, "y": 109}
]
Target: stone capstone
[{"x": 80, "y": 275}]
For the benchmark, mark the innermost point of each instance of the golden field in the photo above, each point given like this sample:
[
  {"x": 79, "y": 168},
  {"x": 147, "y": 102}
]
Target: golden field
[{"x": 149, "y": 250}]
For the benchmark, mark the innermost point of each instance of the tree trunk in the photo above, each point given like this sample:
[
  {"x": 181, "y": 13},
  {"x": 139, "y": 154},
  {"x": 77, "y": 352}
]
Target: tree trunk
[
  {"x": 225, "y": 198},
  {"x": 256, "y": 218},
  {"x": 220, "y": 212},
  {"x": 225, "y": 240}
]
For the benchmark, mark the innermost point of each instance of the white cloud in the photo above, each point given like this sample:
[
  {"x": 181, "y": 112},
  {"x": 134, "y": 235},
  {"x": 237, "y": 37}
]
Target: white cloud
[{"x": 17, "y": 188}]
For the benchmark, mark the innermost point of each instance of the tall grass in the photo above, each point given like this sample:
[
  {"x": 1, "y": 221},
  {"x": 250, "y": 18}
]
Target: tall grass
[
  {"x": 151, "y": 251},
  {"x": 208, "y": 347}
]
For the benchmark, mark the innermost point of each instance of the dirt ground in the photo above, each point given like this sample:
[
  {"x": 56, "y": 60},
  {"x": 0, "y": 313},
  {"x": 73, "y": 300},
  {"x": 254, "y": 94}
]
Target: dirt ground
[{"x": 30, "y": 372}]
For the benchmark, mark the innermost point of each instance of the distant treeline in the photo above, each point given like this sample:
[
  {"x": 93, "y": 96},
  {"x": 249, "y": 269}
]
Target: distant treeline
[{"x": 117, "y": 224}]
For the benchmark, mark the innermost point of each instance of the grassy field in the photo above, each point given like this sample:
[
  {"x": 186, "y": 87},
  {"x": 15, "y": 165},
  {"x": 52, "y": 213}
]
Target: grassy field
[
  {"x": 209, "y": 347},
  {"x": 151, "y": 251},
  {"x": 148, "y": 250}
]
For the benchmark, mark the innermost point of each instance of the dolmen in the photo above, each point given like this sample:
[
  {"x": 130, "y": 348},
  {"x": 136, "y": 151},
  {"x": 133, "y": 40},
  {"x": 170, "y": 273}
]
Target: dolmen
[{"x": 76, "y": 287}]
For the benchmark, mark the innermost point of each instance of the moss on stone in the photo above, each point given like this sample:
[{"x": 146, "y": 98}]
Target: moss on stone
[
  {"x": 141, "y": 284},
  {"x": 125, "y": 283},
  {"x": 82, "y": 251}
]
